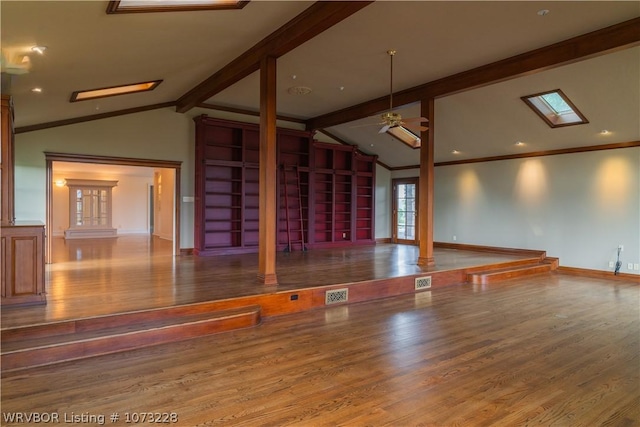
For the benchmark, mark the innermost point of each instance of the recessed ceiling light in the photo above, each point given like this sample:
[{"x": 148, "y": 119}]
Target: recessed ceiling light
[
  {"x": 39, "y": 49},
  {"x": 36, "y": 90},
  {"x": 341, "y": 87},
  {"x": 604, "y": 132},
  {"x": 543, "y": 12},
  {"x": 519, "y": 143},
  {"x": 455, "y": 152}
]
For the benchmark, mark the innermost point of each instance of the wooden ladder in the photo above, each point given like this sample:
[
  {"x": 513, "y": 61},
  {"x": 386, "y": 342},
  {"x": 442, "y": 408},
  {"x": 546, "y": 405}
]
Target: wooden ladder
[{"x": 294, "y": 215}]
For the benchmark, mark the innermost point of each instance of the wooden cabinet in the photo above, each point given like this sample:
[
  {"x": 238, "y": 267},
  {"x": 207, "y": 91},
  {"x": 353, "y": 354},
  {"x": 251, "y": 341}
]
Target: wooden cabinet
[
  {"x": 22, "y": 247},
  {"x": 325, "y": 191}
]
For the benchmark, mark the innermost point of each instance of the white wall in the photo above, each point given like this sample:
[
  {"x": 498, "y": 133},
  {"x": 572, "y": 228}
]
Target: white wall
[
  {"x": 159, "y": 134},
  {"x": 578, "y": 207},
  {"x": 383, "y": 203}
]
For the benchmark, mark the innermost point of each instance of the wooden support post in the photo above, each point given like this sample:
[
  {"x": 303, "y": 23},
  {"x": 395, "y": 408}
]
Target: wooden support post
[
  {"x": 267, "y": 174},
  {"x": 425, "y": 187}
]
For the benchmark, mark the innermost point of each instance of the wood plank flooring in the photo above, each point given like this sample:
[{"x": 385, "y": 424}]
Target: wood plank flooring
[
  {"x": 550, "y": 350},
  {"x": 105, "y": 276}
]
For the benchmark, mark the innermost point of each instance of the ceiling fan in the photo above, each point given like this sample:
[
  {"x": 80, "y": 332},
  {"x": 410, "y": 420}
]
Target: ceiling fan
[{"x": 391, "y": 119}]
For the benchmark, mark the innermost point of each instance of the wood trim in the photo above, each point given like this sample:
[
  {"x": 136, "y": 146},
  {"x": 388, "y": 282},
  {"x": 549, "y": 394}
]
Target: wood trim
[
  {"x": 186, "y": 251},
  {"x": 600, "y": 274},
  {"x": 527, "y": 100},
  {"x": 51, "y": 157},
  {"x": 585, "y": 149},
  {"x": 110, "y": 160},
  {"x": 248, "y": 112},
  {"x": 314, "y": 20},
  {"x": 493, "y": 249},
  {"x": 606, "y": 40},
  {"x": 65, "y": 122},
  {"x": 384, "y": 240},
  {"x": 7, "y": 160},
  {"x": 544, "y": 153}
]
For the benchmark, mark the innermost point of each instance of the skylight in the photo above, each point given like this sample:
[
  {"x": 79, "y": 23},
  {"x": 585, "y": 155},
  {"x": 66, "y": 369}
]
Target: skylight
[
  {"x": 84, "y": 95},
  {"x": 133, "y": 6},
  {"x": 405, "y": 135},
  {"x": 555, "y": 108}
]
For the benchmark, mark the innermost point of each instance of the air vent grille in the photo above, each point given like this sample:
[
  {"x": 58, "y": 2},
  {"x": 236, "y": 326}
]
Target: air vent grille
[
  {"x": 423, "y": 282},
  {"x": 336, "y": 296}
]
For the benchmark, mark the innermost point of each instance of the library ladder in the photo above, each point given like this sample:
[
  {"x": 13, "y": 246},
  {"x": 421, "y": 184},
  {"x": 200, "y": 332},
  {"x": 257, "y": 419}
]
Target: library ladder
[{"x": 294, "y": 216}]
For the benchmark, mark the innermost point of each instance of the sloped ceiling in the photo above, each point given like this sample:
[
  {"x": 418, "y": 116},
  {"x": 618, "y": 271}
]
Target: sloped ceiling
[{"x": 344, "y": 66}]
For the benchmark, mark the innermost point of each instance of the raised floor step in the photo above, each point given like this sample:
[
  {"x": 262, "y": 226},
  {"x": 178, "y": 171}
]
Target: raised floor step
[
  {"x": 46, "y": 344},
  {"x": 497, "y": 275}
]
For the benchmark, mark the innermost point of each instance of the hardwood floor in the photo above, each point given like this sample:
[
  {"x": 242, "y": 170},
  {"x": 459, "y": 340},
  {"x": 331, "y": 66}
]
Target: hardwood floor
[
  {"x": 105, "y": 276},
  {"x": 551, "y": 350}
]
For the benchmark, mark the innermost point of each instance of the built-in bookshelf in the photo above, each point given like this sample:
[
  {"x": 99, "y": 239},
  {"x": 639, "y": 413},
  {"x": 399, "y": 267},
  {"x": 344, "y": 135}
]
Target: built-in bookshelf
[{"x": 325, "y": 191}]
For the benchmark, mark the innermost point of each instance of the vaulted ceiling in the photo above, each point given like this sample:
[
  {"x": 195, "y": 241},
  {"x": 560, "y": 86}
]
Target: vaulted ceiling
[{"x": 346, "y": 66}]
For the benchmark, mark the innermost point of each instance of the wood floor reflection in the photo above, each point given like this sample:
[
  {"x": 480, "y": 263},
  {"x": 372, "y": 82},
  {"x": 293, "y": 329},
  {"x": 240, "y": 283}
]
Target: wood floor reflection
[
  {"x": 549, "y": 350},
  {"x": 104, "y": 276}
]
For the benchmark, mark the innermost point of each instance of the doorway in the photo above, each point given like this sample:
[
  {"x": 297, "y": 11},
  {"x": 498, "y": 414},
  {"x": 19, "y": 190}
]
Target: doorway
[
  {"x": 405, "y": 211},
  {"x": 171, "y": 212}
]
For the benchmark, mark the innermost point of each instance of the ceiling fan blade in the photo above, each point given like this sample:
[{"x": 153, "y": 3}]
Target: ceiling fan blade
[
  {"x": 384, "y": 128},
  {"x": 415, "y": 119},
  {"x": 416, "y": 127}
]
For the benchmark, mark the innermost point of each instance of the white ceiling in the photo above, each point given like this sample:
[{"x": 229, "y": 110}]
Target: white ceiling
[{"x": 89, "y": 49}]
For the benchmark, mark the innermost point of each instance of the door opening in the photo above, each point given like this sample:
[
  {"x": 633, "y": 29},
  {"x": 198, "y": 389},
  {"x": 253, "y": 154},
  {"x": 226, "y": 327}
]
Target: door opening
[{"x": 405, "y": 211}]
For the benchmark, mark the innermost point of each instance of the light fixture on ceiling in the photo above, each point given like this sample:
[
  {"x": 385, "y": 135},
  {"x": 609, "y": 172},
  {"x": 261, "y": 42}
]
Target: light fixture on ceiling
[
  {"x": 543, "y": 12},
  {"x": 605, "y": 132},
  {"x": 455, "y": 152},
  {"x": 299, "y": 90},
  {"x": 519, "y": 143},
  {"x": 36, "y": 90},
  {"x": 39, "y": 49}
]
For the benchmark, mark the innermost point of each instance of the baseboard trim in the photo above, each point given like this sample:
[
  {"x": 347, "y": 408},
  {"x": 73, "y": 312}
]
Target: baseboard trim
[
  {"x": 494, "y": 249},
  {"x": 186, "y": 251},
  {"x": 599, "y": 274},
  {"x": 384, "y": 240}
]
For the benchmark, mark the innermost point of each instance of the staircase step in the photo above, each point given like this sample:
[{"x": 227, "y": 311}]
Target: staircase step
[
  {"x": 32, "y": 346},
  {"x": 492, "y": 276}
]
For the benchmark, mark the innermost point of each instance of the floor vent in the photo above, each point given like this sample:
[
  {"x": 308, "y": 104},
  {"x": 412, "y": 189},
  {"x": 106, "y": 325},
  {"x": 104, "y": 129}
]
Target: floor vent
[
  {"x": 336, "y": 296},
  {"x": 423, "y": 283}
]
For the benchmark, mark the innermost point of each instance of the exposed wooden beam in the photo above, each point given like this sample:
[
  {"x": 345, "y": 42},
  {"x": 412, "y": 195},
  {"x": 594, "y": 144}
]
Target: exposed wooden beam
[
  {"x": 599, "y": 42},
  {"x": 313, "y": 21},
  {"x": 82, "y": 119}
]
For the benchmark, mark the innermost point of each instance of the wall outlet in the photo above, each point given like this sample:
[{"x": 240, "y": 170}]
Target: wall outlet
[
  {"x": 455, "y": 238},
  {"x": 636, "y": 266},
  {"x": 611, "y": 264},
  {"x": 621, "y": 247},
  {"x": 630, "y": 266}
]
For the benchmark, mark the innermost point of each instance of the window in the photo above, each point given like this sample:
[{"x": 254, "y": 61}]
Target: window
[
  {"x": 133, "y": 6},
  {"x": 83, "y": 95},
  {"x": 405, "y": 135},
  {"x": 555, "y": 108}
]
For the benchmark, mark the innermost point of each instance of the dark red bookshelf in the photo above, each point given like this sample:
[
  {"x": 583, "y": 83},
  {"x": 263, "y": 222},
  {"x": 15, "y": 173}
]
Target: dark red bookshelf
[{"x": 325, "y": 191}]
